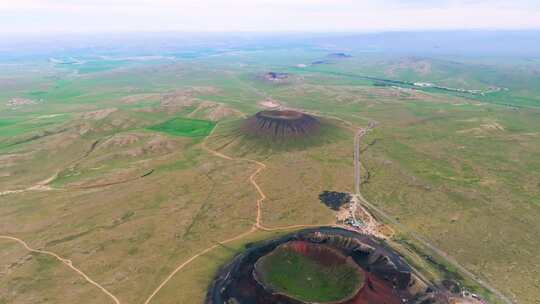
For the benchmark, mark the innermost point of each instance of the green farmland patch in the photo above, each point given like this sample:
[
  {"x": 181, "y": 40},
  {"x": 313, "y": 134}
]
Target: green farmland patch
[
  {"x": 185, "y": 127},
  {"x": 18, "y": 126}
]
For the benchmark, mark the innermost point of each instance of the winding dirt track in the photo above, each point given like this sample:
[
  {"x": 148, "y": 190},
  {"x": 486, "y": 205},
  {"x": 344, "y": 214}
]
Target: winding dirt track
[
  {"x": 65, "y": 261},
  {"x": 193, "y": 258},
  {"x": 256, "y": 226},
  {"x": 40, "y": 186}
]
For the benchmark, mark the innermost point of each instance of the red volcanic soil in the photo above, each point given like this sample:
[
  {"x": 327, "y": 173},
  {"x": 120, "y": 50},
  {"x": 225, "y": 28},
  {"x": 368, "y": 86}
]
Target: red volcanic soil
[
  {"x": 374, "y": 290},
  {"x": 324, "y": 255},
  {"x": 281, "y": 124},
  {"x": 387, "y": 277}
]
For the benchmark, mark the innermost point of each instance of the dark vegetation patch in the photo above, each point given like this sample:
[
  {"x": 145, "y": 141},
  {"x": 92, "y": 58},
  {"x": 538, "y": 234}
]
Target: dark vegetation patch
[
  {"x": 274, "y": 77},
  {"x": 334, "y": 200},
  {"x": 331, "y": 58},
  {"x": 14, "y": 141},
  {"x": 317, "y": 62},
  {"x": 185, "y": 127},
  {"x": 448, "y": 272},
  {"x": 339, "y": 55}
]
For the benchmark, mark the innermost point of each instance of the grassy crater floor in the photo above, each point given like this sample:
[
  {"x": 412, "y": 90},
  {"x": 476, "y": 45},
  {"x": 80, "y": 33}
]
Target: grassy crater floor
[{"x": 320, "y": 276}]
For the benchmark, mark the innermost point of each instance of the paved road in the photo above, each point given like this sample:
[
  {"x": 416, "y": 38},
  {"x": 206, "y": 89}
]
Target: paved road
[{"x": 357, "y": 181}]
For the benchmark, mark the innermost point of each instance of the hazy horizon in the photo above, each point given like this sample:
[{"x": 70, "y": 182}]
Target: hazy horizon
[{"x": 86, "y": 16}]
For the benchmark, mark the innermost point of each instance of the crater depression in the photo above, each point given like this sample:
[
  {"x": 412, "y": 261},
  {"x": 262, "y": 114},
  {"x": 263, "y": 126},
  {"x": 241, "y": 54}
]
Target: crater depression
[{"x": 321, "y": 265}]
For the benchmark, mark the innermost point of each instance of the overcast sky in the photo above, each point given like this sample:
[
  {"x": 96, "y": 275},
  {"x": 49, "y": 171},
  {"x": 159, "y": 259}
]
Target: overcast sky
[{"x": 265, "y": 15}]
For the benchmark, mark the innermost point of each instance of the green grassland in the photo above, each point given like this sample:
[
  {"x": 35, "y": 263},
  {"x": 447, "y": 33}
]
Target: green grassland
[
  {"x": 185, "y": 127},
  {"x": 460, "y": 170},
  {"x": 294, "y": 274},
  {"x": 20, "y": 125}
]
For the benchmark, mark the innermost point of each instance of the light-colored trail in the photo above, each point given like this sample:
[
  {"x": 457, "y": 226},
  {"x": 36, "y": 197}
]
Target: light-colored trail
[
  {"x": 252, "y": 179},
  {"x": 40, "y": 186},
  {"x": 193, "y": 258},
  {"x": 256, "y": 226},
  {"x": 65, "y": 261}
]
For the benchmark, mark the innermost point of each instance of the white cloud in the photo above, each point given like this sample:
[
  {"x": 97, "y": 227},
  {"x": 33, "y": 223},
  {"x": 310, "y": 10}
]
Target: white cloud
[{"x": 264, "y": 15}]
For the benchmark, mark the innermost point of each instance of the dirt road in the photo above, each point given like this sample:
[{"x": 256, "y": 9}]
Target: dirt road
[
  {"x": 40, "y": 186},
  {"x": 359, "y": 134},
  {"x": 258, "y": 225},
  {"x": 65, "y": 261},
  {"x": 374, "y": 209}
]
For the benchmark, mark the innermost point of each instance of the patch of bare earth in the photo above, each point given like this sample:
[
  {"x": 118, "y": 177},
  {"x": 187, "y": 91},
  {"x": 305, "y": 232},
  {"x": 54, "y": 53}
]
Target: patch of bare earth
[
  {"x": 98, "y": 114},
  {"x": 140, "y": 98},
  {"x": 120, "y": 140},
  {"x": 186, "y": 99},
  {"x": 222, "y": 111},
  {"x": 422, "y": 67},
  {"x": 214, "y": 111},
  {"x": 484, "y": 127},
  {"x": 17, "y": 102},
  {"x": 270, "y": 103}
]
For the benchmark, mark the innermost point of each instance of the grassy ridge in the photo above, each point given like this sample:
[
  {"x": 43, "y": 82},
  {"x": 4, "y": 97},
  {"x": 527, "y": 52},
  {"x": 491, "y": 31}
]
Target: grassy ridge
[{"x": 17, "y": 126}]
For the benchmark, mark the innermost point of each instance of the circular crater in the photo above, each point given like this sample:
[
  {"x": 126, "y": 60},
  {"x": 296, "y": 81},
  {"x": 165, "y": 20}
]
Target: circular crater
[
  {"x": 281, "y": 124},
  {"x": 309, "y": 273},
  {"x": 320, "y": 265}
]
